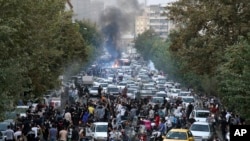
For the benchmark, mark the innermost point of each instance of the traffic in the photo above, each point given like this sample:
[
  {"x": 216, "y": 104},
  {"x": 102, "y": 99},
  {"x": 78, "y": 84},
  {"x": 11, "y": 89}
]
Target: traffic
[{"x": 119, "y": 100}]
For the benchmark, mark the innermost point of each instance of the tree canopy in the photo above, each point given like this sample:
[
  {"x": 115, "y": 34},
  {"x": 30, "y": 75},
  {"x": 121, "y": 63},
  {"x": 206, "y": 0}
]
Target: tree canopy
[
  {"x": 208, "y": 49},
  {"x": 37, "y": 41},
  {"x": 209, "y": 41}
]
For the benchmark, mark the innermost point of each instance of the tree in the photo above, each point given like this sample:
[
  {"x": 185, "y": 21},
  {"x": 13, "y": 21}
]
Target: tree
[
  {"x": 144, "y": 43},
  {"x": 37, "y": 41},
  {"x": 234, "y": 78},
  {"x": 205, "y": 29}
]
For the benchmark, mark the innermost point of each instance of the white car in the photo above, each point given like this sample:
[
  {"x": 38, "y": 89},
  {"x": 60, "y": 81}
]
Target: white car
[
  {"x": 174, "y": 92},
  {"x": 94, "y": 90},
  {"x": 200, "y": 115},
  {"x": 161, "y": 94},
  {"x": 21, "y": 110},
  {"x": 187, "y": 99},
  {"x": 202, "y": 130},
  {"x": 131, "y": 93},
  {"x": 184, "y": 93},
  {"x": 99, "y": 131},
  {"x": 122, "y": 85}
]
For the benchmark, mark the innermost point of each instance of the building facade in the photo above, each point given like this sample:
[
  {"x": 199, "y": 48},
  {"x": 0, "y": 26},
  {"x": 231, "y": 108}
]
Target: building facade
[
  {"x": 141, "y": 24},
  {"x": 154, "y": 18}
]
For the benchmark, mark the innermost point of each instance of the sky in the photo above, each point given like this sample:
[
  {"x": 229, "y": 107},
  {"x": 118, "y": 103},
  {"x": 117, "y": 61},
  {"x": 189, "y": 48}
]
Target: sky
[{"x": 149, "y": 2}]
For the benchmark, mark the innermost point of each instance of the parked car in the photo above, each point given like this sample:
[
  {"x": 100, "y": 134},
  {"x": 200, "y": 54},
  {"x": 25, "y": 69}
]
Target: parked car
[{"x": 203, "y": 130}]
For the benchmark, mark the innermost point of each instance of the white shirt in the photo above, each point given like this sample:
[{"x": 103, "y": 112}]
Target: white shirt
[
  {"x": 151, "y": 113},
  {"x": 228, "y": 115},
  {"x": 123, "y": 111},
  {"x": 17, "y": 133},
  {"x": 35, "y": 129}
]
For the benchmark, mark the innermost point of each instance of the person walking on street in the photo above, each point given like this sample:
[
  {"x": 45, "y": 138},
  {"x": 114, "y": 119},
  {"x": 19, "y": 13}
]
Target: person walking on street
[
  {"x": 9, "y": 133},
  {"x": 53, "y": 133},
  {"x": 63, "y": 134}
]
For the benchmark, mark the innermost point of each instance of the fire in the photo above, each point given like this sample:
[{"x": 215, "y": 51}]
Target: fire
[{"x": 115, "y": 65}]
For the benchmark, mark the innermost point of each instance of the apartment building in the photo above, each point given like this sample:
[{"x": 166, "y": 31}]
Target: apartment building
[
  {"x": 141, "y": 24},
  {"x": 154, "y": 18}
]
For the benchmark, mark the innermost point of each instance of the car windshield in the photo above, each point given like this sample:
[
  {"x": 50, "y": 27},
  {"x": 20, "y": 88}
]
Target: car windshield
[
  {"x": 113, "y": 89},
  {"x": 183, "y": 94},
  {"x": 202, "y": 114},
  {"x": 198, "y": 127},
  {"x": 101, "y": 128},
  {"x": 188, "y": 100},
  {"x": 175, "y": 91},
  {"x": 131, "y": 91},
  {"x": 177, "y": 135},
  {"x": 161, "y": 89},
  {"x": 104, "y": 85},
  {"x": 122, "y": 84},
  {"x": 21, "y": 110},
  {"x": 3, "y": 126},
  {"x": 157, "y": 100},
  {"x": 161, "y": 95},
  {"x": 94, "y": 88}
]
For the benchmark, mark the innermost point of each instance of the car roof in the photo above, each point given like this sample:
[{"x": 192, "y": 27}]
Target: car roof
[
  {"x": 156, "y": 97},
  {"x": 201, "y": 123},
  {"x": 187, "y": 96},
  {"x": 179, "y": 130},
  {"x": 100, "y": 123},
  {"x": 24, "y": 106},
  {"x": 202, "y": 111},
  {"x": 161, "y": 92}
]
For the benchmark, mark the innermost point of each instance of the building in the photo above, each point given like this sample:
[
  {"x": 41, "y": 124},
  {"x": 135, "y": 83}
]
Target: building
[
  {"x": 141, "y": 24},
  {"x": 157, "y": 20},
  {"x": 154, "y": 18}
]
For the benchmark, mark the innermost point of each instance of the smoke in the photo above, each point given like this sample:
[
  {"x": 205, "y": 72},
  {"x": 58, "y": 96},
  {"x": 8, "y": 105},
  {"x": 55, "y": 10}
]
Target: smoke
[
  {"x": 117, "y": 20},
  {"x": 151, "y": 65}
]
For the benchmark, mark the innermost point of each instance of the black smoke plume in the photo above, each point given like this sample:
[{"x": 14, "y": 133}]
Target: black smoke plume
[{"x": 116, "y": 20}]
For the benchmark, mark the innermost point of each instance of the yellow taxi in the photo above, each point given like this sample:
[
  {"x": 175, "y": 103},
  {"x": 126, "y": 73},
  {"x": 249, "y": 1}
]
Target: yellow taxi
[{"x": 179, "y": 135}]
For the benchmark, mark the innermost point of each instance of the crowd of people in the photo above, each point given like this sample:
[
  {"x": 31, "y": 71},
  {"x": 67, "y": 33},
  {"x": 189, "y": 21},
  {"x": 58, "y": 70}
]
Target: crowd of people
[{"x": 45, "y": 123}]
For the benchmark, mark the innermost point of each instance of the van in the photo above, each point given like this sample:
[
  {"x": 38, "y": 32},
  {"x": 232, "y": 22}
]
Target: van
[{"x": 98, "y": 131}]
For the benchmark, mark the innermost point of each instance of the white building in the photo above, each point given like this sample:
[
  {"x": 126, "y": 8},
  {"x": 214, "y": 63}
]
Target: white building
[{"x": 154, "y": 18}]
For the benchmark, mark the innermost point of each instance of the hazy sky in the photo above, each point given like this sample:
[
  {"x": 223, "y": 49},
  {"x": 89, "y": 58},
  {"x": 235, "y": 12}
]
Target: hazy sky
[
  {"x": 149, "y": 2},
  {"x": 156, "y": 1}
]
